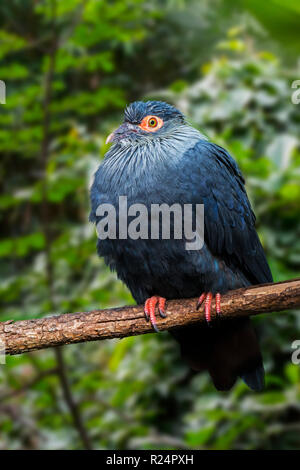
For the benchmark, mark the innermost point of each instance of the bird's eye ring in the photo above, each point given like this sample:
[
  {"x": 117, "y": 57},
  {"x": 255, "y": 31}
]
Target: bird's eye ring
[{"x": 151, "y": 123}]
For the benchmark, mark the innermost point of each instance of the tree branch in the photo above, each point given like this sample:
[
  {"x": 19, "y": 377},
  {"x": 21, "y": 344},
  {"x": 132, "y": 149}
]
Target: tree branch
[
  {"x": 72, "y": 405},
  {"x": 28, "y": 335}
]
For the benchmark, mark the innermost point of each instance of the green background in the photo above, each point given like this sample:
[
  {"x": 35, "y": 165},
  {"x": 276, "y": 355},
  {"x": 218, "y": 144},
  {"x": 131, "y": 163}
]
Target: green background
[{"x": 70, "y": 67}]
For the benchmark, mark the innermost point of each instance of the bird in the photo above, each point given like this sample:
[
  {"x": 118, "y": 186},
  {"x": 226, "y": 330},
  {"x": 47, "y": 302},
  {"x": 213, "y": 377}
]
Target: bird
[{"x": 158, "y": 157}]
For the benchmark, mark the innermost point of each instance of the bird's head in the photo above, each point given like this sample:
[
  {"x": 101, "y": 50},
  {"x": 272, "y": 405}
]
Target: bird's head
[{"x": 146, "y": 121}]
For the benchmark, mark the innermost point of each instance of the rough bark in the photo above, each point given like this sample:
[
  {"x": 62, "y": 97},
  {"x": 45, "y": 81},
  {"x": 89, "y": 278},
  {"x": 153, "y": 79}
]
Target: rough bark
[{"x": 28, "y": 335}]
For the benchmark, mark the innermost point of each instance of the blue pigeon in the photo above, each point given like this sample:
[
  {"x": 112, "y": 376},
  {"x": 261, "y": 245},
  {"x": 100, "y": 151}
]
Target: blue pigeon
[{"x": 158, "y": 158}]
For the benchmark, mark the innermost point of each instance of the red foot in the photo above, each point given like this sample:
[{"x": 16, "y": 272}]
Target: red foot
[
  {"x": 207, "y": 305},
  {"x": 149, "y": 309}
]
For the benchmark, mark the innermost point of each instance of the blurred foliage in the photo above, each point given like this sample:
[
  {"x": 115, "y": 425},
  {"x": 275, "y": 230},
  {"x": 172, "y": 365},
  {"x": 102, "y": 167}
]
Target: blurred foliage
[
  {"x": 136, "y": 393},
  {"x": 280, "y": 17}
]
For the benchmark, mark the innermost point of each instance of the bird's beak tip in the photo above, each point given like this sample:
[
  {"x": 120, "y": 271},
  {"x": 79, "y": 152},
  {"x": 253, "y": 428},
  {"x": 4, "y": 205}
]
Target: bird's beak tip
[{"x": 110, "y": 138}]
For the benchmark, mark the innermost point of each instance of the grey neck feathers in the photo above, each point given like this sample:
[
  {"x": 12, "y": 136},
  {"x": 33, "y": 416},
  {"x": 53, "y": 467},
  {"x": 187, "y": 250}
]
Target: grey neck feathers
[{"x": 138, "y": 157}]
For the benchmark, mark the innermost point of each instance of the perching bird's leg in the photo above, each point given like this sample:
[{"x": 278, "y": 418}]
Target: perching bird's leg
[
  {"x": 207, "y": 306},
  {"x": 149, "y": 309}
]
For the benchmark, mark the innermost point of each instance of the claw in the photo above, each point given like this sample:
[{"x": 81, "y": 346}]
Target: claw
[
  {"x": 146, "y": 310},
  {"x": 161, "y": 306},
  {"x": 149, "y": 310},
  {"x": 207, "y": 305},
  {"x": 200, "y": 301}
]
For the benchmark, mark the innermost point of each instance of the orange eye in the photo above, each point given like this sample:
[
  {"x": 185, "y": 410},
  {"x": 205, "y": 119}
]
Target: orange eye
[{"x": 151, "y": 123}]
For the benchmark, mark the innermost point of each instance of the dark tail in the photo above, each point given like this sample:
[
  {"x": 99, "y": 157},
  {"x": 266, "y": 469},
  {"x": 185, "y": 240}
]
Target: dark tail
[{"x": 228, "y": 350}]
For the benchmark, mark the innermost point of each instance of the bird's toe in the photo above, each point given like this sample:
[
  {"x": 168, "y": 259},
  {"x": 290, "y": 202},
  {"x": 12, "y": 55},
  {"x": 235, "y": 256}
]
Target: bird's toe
[{"x": 149, "y": 310}]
